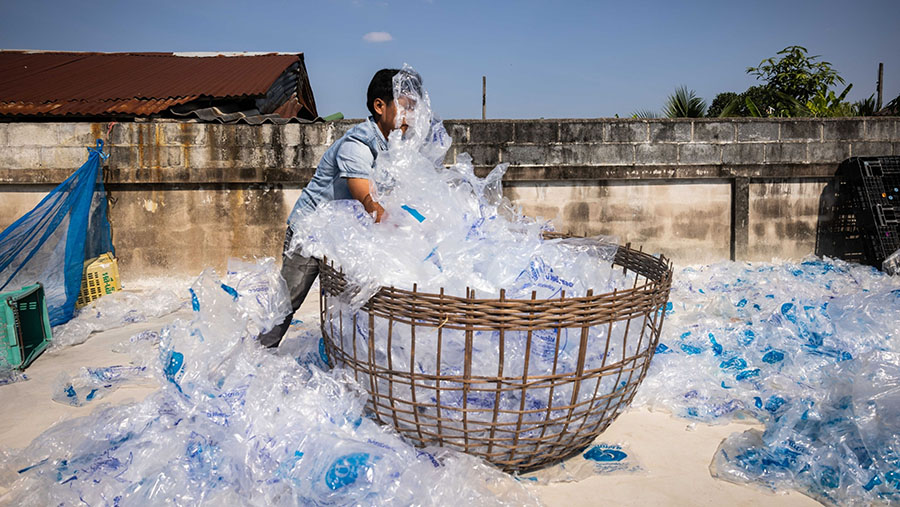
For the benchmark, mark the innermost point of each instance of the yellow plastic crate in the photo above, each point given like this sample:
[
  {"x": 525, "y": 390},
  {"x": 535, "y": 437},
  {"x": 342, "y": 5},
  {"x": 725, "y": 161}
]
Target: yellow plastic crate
[{"x": 101, "y": 277}]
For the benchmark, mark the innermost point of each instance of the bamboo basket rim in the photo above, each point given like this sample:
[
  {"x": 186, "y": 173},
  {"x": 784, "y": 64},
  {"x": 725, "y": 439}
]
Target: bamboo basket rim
[{"x": 663, "y": 262}]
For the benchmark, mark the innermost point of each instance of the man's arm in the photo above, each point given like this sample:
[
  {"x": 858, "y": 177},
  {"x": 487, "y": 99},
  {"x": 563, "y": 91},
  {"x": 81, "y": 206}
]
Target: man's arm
[
  {"x": 360, "y": 190},
  {"x": 354, "y": 161}
]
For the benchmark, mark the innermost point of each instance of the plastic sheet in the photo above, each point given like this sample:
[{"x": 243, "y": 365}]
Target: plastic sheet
[
  {"x": 235, "y": 424},
  {"x": 810, "y": 350},
  {"x": 262, "y": 290},
  {"x": 92, "y": 384},
  {"x": 305, "y": 343},
  {"x": 115, "y": 310},
  {"x": 11, "y": 376},
  {"x": 139, "y": 345},
  {"x": 891, "y": 264}
]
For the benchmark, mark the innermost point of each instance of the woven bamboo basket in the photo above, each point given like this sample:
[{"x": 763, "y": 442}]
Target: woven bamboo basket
[{"x": 422, "y": 358}]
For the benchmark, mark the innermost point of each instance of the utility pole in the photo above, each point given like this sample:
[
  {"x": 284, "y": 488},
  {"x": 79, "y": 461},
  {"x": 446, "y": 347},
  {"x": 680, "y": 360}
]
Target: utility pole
[
  {"x": 880, "y": 85},
  {"x": 484, "y": 97}
]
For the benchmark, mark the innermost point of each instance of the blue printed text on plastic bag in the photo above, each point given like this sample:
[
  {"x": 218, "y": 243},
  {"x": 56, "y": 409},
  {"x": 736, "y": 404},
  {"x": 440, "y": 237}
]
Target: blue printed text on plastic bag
[
  {"x": 346, "y": 469},
  {"x": 604, "y": 454},
  {"x": 607, "y": 458}
]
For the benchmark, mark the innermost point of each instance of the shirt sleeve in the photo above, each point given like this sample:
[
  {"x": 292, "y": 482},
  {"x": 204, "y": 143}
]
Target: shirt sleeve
[{"x": 354, "y": 160}]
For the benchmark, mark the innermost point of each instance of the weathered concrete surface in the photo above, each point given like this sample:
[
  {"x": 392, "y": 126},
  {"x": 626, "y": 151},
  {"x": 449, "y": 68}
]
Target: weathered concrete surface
[
  {"x": 787, "y": 211},
  {"x": 687, "y": 220},
  {"x": 186, "y": 195},
  {"x": 169, "y": 229},
  {"x": 16, "y": 201}
]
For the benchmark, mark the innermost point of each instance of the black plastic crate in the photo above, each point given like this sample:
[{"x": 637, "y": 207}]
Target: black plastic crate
[
  {"x": 838, "y": 235},
  {"x": 870, "y": 187}
]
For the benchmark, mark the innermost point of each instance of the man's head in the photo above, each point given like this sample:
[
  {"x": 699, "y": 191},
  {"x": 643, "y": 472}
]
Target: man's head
[{"x": 380, "y": 97}]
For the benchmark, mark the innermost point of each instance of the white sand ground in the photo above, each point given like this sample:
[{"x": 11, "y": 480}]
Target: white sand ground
[{"x": 674, "y": 454}]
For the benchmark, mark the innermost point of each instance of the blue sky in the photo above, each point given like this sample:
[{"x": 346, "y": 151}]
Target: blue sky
[{"x": 551, "y": 59}]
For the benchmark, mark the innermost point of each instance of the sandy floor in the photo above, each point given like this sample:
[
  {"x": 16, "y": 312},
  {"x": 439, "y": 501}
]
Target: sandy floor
[{"x": 674, "y": 454}]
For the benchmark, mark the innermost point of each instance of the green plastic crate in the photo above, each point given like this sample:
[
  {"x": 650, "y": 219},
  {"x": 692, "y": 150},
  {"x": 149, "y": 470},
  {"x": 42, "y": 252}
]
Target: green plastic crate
[{"x": 24, "y": 326}]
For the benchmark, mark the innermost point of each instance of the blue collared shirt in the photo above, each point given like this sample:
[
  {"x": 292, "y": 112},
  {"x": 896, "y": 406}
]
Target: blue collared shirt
[{"x": 351, "y": 156}]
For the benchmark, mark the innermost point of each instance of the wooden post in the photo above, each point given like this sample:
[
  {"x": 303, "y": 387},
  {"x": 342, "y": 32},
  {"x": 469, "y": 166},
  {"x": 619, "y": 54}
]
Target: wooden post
[
  {"x": 484, "y": 97},
  {"x": 880, "y": 85}
]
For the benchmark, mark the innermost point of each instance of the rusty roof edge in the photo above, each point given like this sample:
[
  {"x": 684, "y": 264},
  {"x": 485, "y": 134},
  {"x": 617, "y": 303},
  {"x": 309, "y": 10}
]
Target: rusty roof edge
[
  {"x": 197, "y": 96},
  {"x": 206, "y": 54},
  {"x": 144, "y": 99},
  {"x": 185, "y": 54}
]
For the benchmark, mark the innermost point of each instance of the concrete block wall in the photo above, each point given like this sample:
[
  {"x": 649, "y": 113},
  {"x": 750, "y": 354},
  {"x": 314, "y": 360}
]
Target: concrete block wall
[
  {"x": 684, "y": 220},
  {"x": 187, "y": 195},
  {"x": 535, "y": 147},
  {"x": 771, "y": 172}
]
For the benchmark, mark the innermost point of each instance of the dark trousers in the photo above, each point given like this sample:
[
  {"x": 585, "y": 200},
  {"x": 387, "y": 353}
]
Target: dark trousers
[{"x": 300, "y": 273}]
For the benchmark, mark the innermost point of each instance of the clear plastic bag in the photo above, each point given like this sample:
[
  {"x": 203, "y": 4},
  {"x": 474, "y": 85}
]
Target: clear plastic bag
[
  {"x": 808, "y": 349},
  {"x": 235, "y": 424},
  {"x": 600, "y": 458},
  {"x": 891, "y": 264},
  {"x": 840, "y": 446},
  {"x": 94, "y": 383},
  {"x": 446, "y": 227},
  {"x": 9, "y": 375},
  {"x": 115, "y": 310}
]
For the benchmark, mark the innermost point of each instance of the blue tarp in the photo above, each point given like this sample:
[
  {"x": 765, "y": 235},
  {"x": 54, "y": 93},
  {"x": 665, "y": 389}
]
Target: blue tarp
[{"x": 50, "y": 243}]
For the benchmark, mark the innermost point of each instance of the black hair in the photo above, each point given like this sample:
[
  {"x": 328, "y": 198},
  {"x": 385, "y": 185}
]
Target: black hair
[{"x": 382, "y": 87}]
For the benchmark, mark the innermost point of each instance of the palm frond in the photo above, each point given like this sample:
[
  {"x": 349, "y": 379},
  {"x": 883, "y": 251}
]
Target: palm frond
[
  {"x": 754, "y": 111},
  {"x": 684, "y": 104},
  {"x": 644, "y": 114}
]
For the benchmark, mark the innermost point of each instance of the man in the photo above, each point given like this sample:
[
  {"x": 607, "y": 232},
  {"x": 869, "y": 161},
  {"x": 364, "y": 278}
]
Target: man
[{"x": 343, "y": 173}]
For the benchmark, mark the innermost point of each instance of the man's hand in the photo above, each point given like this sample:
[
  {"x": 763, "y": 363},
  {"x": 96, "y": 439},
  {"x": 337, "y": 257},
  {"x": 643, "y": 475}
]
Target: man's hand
[{"x": 360, "y": 189}]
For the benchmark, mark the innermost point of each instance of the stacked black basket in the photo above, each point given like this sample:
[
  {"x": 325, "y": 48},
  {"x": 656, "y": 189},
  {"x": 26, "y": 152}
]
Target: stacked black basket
[{"x": 869, "y": 196}]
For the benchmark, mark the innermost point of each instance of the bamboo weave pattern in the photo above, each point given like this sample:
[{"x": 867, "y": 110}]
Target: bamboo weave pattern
[{"x": 487, "y": 379}]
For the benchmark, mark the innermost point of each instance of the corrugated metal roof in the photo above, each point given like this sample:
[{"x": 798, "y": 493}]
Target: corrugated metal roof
[
  {"x": 88, "y": 84},
  {"x": 94, "y": 108}
]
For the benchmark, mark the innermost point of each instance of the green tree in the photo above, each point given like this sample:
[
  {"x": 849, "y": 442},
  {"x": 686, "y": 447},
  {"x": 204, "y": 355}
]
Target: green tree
[
  {"x": 829, "y": 104},
  {"x": 796, "y": 74},
  {"x": 684, "y": 104},
  {"x": 755, "y": 101},
  {"x": 821, "y": 105},
  {"x": 865, "y": 107},
  {"x": 794, "y": 84},
  {"x": 762, "y": 99},
  {"x": 724, "y": 105},
  {"x": 893, "y": 107}
]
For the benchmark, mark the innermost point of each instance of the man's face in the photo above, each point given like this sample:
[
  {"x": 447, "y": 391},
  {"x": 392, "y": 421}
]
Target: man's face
[
  {"x": 393, "y": 114},
  {"x": 405, "y": 106}
]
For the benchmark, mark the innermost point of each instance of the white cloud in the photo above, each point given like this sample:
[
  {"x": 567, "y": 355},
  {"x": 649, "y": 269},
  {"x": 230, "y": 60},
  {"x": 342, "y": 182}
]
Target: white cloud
[{"x": 377, "y": 37}]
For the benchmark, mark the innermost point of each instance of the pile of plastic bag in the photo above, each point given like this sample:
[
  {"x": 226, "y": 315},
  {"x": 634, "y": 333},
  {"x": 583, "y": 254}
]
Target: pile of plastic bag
[
  {"x": 446, "y": 227},
  {"x": 811, "y": 350},
  {"x": 235, "y": 424}
]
